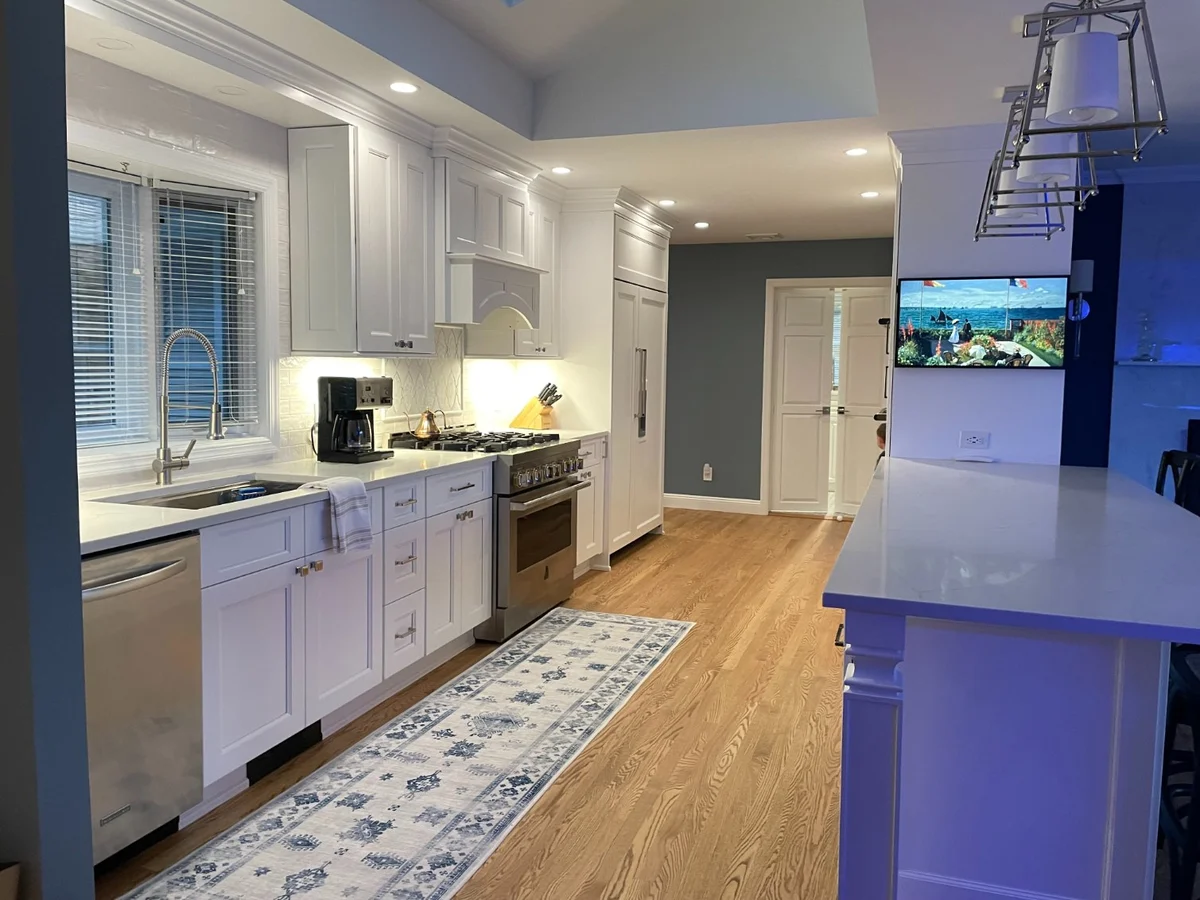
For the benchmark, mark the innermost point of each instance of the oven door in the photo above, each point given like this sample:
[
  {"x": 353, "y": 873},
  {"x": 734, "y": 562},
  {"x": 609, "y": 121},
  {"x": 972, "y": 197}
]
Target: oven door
[{"x": 535, "y": 565}]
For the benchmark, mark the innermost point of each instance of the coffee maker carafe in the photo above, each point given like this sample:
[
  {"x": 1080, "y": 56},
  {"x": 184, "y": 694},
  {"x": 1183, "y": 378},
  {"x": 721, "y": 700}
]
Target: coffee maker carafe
[{"x": 345, "y": 421}]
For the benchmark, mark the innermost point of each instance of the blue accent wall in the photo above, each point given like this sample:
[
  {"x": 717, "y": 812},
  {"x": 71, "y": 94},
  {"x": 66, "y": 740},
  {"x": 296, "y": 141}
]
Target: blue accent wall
[
  {"x": 715, "y": 351},
  {"x": 1160, "y": 305}
]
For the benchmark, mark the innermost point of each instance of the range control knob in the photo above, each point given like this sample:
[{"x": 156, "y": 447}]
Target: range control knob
[
  {"x": 535, "y": 476},
  {"x": 579, "y": 463},
  {"x": 523, "y": 478}
]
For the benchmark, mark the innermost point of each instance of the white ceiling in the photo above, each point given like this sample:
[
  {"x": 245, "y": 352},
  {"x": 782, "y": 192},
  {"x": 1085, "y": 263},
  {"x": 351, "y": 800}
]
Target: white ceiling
[
  {"x": 537, "y": 36},
  {"x": 937, "y": 63}
]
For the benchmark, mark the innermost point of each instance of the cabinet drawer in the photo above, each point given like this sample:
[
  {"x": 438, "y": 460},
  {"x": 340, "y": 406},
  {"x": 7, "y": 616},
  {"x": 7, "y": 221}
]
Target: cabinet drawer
[
  {"x": 403, "y": 633},
  {"x": 404, "y": 502},
  {"x": 592, "y": 452},
  {"x": 403, "y": 561},
  {"x": 318, "y": 528},
  {"x": 458, "y": 488},
  {"x": 250, "y": 545}
]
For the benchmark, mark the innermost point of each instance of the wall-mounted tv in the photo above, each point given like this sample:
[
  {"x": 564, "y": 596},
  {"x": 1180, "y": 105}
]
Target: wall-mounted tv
[{"x": 1009, "y": 323}]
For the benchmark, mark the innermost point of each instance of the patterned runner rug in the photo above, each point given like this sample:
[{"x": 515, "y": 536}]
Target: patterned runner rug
[{"x": 411, "y": 811}]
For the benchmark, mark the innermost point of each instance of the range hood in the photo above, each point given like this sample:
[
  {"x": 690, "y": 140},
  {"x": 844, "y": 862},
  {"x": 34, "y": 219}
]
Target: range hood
[{"x": 478, "y": 286}]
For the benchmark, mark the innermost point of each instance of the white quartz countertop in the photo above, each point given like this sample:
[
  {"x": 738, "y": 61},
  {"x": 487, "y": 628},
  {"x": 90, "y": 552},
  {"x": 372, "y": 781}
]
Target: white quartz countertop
[
  {"x": 108, "y": 526},
  {"x": 1060, "y": 548}
]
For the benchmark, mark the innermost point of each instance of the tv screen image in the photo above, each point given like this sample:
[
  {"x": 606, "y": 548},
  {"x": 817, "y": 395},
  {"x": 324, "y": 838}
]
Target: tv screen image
[{"x": 1005, "y": 323}]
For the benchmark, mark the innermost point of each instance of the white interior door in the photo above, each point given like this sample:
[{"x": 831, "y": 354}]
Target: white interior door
[
  {"x": 862, "y": 366},
  {"x": 803, "y": 380}
]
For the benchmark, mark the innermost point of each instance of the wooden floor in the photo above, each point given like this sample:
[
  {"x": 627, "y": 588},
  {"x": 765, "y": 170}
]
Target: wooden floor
[{"x": 719, "y": 778}]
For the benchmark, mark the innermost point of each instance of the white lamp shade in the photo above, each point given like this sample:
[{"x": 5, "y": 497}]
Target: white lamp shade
[
  {"x": 1047, "y": 171},
  {"x": 1008, "y": 182},
  {"x": 1085, "y": 79}
]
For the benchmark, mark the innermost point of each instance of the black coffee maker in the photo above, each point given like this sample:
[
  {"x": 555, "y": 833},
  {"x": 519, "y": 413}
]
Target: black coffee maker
[{"x": 345, "y": 423}]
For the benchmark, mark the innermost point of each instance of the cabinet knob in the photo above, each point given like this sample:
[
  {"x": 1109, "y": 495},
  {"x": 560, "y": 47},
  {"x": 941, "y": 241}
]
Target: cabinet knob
[
  {"x": 318, "y": 565},
  {"x": 466, "y": 514},
  {"x": 302, "y": 571}
]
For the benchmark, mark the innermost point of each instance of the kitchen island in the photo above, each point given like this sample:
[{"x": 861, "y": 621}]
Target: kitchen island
[{"x": 1007, "y": 631}]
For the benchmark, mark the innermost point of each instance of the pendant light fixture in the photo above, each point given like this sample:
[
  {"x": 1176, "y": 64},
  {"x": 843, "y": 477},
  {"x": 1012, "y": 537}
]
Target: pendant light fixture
[
  {"x": 1085, "y": 85},
  {"x": 1048, "y": 158}
]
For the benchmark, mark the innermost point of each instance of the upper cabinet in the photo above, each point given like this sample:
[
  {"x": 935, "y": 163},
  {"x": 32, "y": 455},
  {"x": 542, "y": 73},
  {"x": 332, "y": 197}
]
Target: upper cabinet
[
  {"x": 640, "y": 254},
  {"x": 487, "y": 215},
  {"x": 361, "y": 211}
]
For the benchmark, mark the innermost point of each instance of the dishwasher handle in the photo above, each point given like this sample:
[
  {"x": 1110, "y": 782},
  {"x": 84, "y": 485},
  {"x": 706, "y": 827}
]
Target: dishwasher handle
[{"x": 131, "y": 580}]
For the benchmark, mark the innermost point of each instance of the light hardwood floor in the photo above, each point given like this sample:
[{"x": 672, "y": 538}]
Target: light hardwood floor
[{"x": 719, "y": 778}]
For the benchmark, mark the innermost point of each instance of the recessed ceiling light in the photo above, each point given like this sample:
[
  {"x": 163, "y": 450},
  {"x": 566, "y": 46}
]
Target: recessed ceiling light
[
  {"x": 869, "y": 195},
  {"x": 666, "y": 202},
  {"x": 701, "y": 224},
  {"x": 857, "y": 151},
  {"x": 561, "y": 170},
  {"x": 231, "y": 90},
  {"x": 403, "y": 87},
  {"x": 112, "y": 44}
]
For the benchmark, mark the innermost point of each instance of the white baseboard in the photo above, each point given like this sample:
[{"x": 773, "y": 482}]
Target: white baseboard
[
  {"x": 714, "y": 504},
  {"x": 216, "y": 794},
  {"x": 340, "y": 718},
  {"x": 927, "y": 886}
]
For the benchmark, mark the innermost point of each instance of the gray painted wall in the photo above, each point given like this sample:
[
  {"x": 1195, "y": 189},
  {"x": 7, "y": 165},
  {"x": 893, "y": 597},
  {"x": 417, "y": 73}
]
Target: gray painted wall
[{"x": 715, "y": 350}]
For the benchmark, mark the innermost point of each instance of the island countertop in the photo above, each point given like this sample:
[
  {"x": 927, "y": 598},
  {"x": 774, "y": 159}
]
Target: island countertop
[{"x": 1061, "y": 548}]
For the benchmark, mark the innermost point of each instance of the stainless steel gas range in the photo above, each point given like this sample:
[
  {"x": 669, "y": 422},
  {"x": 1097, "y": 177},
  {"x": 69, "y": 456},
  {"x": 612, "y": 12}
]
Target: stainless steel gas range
[{"x": 535, "y": 483}]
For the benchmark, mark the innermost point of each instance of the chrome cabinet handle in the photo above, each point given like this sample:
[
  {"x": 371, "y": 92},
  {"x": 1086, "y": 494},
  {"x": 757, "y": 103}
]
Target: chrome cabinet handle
[
  {"x": 465, "y": 514},
  {"x": 404, "y": 634},
  {"x": 465, "y": 487},
  {"x": 302, "y": 571},
  {"x": 405, "y": 562},
  {"x": 101, "y": 588},
  {"x": 403, "y": 503}
]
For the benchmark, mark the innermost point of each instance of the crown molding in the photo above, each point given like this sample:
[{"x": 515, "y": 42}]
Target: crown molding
[
  {"x": 620, "y": 200},
  {"x": 547, "y": 189},
  {"x": 452, "y": 143},
  {"x": 211, "y": 39},
  {"x": 963, "y": 143}
]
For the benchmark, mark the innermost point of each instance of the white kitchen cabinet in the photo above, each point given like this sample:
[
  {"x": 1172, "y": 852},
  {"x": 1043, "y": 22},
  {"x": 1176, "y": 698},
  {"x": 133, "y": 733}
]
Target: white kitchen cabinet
[
  {"x": 640, "y": 254},
  {"x": 458, "y": 572},
  {"x": 403, "y": 561},
  {"x": 343, "y": 624},
  {"x": 403, "y": 633},
  {"x": 253, "y": 639},
  {"x": 589, "y": 524},
  {"x": 362, "y": 201},
  {"x": 543, "y": 341},
  {"x": 486, "y": 215},
  {"x": 638, "y": 409}
]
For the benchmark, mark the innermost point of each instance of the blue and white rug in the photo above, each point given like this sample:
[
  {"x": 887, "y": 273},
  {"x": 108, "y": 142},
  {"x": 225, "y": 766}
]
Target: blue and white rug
[{"x": 411, "y": 811}]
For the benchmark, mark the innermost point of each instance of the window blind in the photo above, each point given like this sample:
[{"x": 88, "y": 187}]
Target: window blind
[
  {"x": 837, "y": 341},
  {"x": 144, "y": 262},
  {"x": 110, "y": 313},
  {"x": 205, "y": 279}
]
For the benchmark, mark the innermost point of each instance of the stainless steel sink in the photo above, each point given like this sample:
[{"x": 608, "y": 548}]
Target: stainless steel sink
[{"x": 234, "y": 492}]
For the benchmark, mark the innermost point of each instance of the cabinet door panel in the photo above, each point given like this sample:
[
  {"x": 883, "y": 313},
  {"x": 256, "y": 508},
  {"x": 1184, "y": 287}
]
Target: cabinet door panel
[
  {"x": 252, "y": 631},
  {"x": 620, "y": 446},
  {"x": 403, "y": 561},
  {"x": 473, "y": 563},
  {"x": 321, "y": 216},
  {"x": 517, "y": 239},
  {"x": 343, "y": 623},
  {"x": 585, "y": 520},
  {"x": 417, "y": 300},
  {"x": 442, "y": 619},
  {"x": 379, "y": 301},
  {"x": 403, "y": 633},
  {"x": 640, "y": 254},
  {"x": 647, "y": 478}
]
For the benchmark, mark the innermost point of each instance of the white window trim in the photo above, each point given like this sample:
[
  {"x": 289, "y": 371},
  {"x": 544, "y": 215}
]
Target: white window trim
[{"x": 124, "y": 459}]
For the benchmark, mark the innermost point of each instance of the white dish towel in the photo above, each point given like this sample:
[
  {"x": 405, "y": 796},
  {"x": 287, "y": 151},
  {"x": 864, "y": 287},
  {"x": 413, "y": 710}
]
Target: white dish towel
[{"x": 349, "y": 511}]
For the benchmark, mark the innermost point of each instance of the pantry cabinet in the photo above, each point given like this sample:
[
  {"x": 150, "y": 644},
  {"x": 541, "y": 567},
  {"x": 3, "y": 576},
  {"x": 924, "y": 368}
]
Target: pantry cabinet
[
  {"x": 343, "y": 627},
  {"x": 361, "y": 223},
  {"x": 458, "y": 593}
]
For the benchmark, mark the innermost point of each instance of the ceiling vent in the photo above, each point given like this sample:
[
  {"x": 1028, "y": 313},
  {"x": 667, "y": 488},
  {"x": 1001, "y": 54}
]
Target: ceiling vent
[{"x": 765, "y": 236}]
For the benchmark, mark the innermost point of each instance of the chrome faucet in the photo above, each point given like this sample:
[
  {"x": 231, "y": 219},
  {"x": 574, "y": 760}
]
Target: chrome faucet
[{"x": 164, "y": 464}]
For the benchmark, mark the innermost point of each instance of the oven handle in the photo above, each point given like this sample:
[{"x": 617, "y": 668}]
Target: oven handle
[{"x": 549, "y": 499}]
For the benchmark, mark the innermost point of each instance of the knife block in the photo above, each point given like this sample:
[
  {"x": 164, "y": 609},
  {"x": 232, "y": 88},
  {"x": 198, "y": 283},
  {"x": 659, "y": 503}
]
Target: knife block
[{"x": 535, "y": 416}]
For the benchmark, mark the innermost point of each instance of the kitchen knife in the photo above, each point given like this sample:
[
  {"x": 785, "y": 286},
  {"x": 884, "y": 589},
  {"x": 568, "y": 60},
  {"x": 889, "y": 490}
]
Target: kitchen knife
[
  {"x": 553, "y": 399},
  {"x": 546, "y": 392}
]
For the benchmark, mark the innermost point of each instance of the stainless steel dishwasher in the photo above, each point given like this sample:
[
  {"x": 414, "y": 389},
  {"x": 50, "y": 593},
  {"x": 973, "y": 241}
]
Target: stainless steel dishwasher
[{"x": 141, "y": 635}]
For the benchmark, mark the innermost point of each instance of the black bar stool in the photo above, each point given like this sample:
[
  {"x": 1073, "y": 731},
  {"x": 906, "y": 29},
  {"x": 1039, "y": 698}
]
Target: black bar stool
[{"x": 1185, "y": 478}]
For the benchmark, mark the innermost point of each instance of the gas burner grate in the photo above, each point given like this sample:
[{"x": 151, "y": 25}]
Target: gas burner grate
[{"x": 472, "y": 441}]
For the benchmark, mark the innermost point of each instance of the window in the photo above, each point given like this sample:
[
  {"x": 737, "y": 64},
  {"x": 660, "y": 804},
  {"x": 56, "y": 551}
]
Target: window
[{"x": 144, "y": 262}]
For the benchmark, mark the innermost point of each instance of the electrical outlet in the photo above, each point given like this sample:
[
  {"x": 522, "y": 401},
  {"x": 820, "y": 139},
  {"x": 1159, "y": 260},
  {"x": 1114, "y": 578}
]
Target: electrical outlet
[
  {"x": 974, "y": 440},
  {"x": 707, "y": 472}
]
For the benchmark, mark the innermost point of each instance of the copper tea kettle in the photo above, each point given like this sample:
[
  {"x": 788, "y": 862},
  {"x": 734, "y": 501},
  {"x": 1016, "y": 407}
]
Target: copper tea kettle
[{"x": 427, "y": 426}]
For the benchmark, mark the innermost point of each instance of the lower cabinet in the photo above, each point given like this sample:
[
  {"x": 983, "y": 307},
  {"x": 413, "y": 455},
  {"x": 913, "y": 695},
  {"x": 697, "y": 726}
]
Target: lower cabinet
[
  {"x": 458, "y": 572},
  {"x": 343, "y": 621},
  {"x": 253, "y": 635},
  {"x": 403, "y": 633},
  {"x": 589, "y": 516}
]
